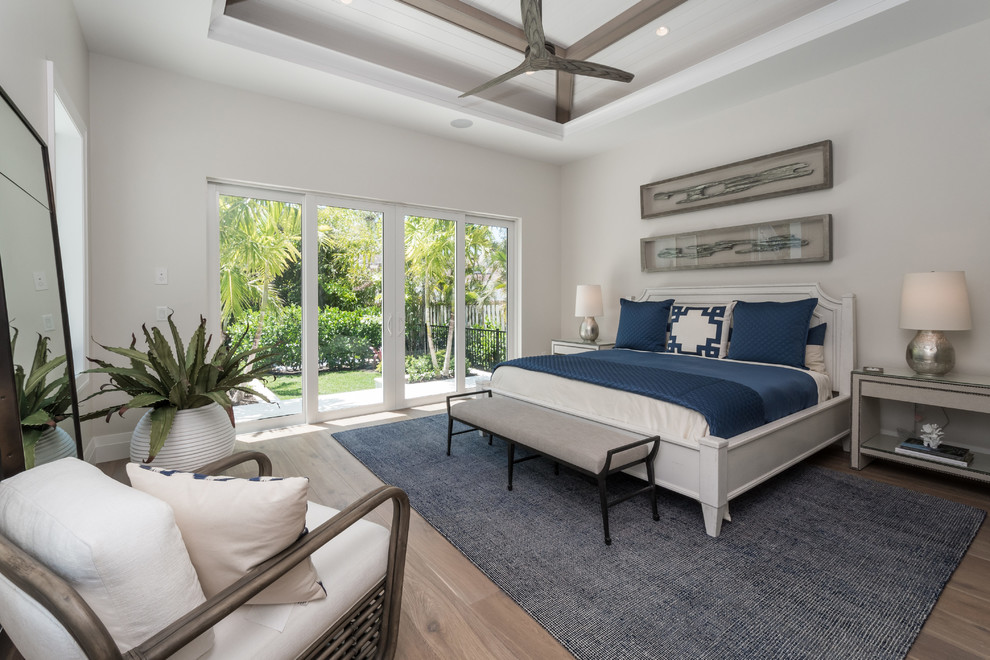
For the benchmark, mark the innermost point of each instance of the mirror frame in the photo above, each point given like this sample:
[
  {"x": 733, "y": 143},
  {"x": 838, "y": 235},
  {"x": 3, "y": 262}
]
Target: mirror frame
[{"x": 11, "y": 443}]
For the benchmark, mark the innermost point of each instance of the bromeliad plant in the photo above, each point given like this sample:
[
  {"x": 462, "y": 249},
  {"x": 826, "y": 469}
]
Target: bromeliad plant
[
  {"x": 168, "y": 380},
  {"x": 42, "y": 404}
]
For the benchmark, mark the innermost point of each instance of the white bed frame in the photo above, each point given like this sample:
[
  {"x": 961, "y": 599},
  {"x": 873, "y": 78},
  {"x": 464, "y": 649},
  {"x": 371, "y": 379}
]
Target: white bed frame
[{"x": 715, "y": 470}]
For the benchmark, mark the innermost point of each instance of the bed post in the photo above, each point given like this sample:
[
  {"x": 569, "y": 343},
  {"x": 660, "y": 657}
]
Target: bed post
[{"x": 713, "y": 489}]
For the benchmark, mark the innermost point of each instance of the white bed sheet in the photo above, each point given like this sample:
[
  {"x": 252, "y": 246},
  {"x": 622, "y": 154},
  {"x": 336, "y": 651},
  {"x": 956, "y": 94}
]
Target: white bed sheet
[{"x": 633, "y": 412}]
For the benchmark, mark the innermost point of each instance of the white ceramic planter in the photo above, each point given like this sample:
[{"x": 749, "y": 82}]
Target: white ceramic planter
[
  {"x": 54, "y": 443},
  {"x": 198, "y": 436}
]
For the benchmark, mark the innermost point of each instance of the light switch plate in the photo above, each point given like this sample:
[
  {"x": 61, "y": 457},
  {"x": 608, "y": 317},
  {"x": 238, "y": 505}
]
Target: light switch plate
[{"x": 40, "y": 280}]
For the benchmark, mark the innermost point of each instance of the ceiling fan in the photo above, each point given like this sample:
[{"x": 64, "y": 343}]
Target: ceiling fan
[{"x": 541, "y": 56}]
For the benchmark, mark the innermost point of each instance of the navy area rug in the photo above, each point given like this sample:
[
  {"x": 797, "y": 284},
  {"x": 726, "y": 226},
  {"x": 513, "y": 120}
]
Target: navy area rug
[{"x": 815, "y": 563}]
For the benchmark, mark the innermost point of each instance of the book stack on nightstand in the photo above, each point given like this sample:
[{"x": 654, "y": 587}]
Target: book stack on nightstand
[{"x": 946, "y": 454}]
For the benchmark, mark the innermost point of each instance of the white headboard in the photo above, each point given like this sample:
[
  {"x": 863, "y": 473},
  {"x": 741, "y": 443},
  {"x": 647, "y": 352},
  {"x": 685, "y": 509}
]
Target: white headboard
[{"x": 839, "y": 313}]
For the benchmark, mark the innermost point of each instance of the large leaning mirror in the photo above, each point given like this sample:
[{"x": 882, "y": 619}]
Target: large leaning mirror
[{"x": 39, "y": 419}]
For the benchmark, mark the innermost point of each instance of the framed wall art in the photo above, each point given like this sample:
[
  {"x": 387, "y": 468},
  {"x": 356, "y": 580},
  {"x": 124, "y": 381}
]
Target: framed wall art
[
  {"x": 798, "y": 240},
  {"x": 782, "y": 173}
]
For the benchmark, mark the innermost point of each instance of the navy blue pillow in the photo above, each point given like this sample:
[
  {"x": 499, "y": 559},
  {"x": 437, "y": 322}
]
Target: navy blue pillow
[
  {"x": 643, "y": 325},
  {"x": 771, "y": 332},
  {"x": 816, "y": 335}
]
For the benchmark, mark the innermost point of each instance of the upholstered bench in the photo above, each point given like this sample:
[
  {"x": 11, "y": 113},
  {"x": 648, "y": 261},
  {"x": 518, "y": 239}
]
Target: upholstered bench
[{"x": 590, "y": 448}]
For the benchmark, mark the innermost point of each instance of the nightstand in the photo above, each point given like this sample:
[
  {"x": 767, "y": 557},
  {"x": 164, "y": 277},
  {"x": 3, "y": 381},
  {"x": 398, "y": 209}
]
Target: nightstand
[
  {"x": 869, "y": 393},
  {"x": 572, "y": 346}
]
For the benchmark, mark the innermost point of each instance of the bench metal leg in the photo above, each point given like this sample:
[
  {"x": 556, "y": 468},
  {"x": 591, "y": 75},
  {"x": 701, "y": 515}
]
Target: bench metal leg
[
  {"x": 653, "y": 487},
  {"x": 512, "y": 459},
  {"x": 450, "y": 431},
  {"x": 604, "y": 499}
]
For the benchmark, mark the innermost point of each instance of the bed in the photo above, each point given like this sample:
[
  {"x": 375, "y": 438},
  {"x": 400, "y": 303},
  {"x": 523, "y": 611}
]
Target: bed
[{"x": 692, "y": 459}]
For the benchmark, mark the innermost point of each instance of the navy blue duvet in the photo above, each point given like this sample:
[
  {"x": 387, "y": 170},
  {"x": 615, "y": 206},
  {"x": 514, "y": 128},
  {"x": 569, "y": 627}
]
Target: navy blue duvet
[{"x": 734, "y": 397}]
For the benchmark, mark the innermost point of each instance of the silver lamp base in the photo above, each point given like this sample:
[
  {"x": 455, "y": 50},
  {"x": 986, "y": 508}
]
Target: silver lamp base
[
  {"x": 589, "y": 329},
  {"x": 930, "y": 353}
]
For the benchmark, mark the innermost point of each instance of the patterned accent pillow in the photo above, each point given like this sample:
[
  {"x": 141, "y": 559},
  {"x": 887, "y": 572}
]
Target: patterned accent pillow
[
  {"x": 771, "y": 332},
  {"x": 699, "y": 330},
  {"x": 643, "y": 325},
  {"x": 231, "y": 525}
]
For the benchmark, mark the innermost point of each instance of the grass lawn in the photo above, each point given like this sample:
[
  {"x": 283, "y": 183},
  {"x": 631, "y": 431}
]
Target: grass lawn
[{"x": 331, "y": 382}]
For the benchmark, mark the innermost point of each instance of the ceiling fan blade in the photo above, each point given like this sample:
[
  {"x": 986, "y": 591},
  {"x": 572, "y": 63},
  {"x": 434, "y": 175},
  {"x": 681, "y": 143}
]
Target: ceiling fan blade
[
  {"x": 532, "y": 20},
  {"x": 583, "y": 68},
  {"x": 522, "y": 68}
]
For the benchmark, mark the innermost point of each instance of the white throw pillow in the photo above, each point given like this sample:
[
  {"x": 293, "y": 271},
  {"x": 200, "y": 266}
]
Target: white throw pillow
[
  {"x": 116, "y": 546},
  {"x": 231, "y": 525},
  {"x": 814, "y": 358}
]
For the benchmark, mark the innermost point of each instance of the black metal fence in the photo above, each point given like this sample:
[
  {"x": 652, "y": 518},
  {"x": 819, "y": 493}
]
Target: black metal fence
[{"x": 483, "y": 348}]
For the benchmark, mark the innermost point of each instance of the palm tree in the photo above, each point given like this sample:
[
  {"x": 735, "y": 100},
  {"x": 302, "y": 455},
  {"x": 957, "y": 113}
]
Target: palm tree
[
  {"x": 486, "y": 264},
  {"x": 259, "y": 239},
  {"x": 430, "y": 244}
]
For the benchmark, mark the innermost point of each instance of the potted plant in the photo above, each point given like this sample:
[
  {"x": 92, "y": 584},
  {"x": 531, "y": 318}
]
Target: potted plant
[
  {"x": 42, "y": 405},
  {"x": 191, "y": 421}
]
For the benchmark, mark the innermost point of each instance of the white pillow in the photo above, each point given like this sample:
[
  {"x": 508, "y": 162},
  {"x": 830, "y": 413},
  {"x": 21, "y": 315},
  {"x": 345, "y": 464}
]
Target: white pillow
[
  {"x": 814, "y": 358},
  {"x": 231, "y": 525},
  {"x": 116, "y": 546}
]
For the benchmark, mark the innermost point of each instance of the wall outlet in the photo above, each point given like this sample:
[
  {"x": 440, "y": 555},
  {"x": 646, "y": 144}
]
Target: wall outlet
[
  {"x": 47, "y": 322},
  {"x": 40, "y": 280},
  {"x": 161, "y": 275},
  {"x": 161, "y": 313}
]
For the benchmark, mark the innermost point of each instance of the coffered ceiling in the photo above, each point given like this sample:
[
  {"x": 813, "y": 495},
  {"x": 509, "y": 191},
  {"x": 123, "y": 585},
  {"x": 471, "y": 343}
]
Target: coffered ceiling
[{"x": 408, "y": 61}]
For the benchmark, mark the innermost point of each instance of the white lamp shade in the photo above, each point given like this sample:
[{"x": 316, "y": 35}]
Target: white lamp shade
[
  {"x": 588, "y": 301},
  {"x": 935, "y": 301}
]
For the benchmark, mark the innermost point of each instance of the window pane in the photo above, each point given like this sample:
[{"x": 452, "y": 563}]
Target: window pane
[
  {"x": 430, "y": 245},
  {"x": 350, "y": 307},
  {"x": 261, "y": 295},
  {"x": 486, "y": 298}
]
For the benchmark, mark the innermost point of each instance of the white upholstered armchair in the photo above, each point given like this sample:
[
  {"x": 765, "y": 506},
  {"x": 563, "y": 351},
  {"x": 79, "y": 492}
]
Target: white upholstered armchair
[{"x": 92, "y": 568}]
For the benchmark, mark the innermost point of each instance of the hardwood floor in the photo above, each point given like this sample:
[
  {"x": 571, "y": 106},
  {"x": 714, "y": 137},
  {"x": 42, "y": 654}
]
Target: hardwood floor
[{"x": 451, "y": 610}]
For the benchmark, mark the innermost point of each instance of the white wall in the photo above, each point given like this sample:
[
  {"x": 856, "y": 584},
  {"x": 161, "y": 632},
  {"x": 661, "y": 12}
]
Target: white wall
[
  {"x": 911, "y": 139},
  {"x": 156, "y": 137},
  {"x": 30, "y": 33}
]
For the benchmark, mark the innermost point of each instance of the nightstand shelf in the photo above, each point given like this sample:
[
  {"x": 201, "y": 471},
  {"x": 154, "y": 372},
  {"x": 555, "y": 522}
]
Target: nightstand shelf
[
  {"x": 871, "y": 390},
  {"x": 883, "y": 446},
  {"x": 572, "y": 346}
]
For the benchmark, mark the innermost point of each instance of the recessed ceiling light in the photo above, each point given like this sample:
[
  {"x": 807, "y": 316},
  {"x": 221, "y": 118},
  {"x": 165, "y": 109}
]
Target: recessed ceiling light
[
  {"x": 462, "y": 123},
  {"x": 663, "y": 31}
]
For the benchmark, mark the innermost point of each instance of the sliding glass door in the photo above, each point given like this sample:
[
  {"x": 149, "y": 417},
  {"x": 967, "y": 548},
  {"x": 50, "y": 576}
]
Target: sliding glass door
[
  {"x": 486, "y": 298},
  {"x": 456, "y": 302},
  {"x": 260, "y": 295},
  {"x": 349, "y": 300},
  {"x": 430, "y": 306},
  {"x": 370, "y": 306}
]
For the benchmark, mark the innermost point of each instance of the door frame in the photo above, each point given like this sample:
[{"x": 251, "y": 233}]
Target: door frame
[{"x": 393, "y": 292}]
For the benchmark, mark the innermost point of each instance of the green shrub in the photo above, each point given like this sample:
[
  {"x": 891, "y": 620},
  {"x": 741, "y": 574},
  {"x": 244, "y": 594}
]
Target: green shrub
[
  {"x": 419, "y": 368},
  {"x": 347, "y": 339}
]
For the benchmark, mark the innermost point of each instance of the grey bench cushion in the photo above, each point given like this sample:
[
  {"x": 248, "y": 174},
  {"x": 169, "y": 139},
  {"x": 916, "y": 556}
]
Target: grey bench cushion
[{"x": 579, "y": 442}]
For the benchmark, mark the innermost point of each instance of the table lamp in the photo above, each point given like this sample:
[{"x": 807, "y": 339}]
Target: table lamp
[
  {"x": 929, "y": 301},
  {"x": 588, "y": 303}
]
